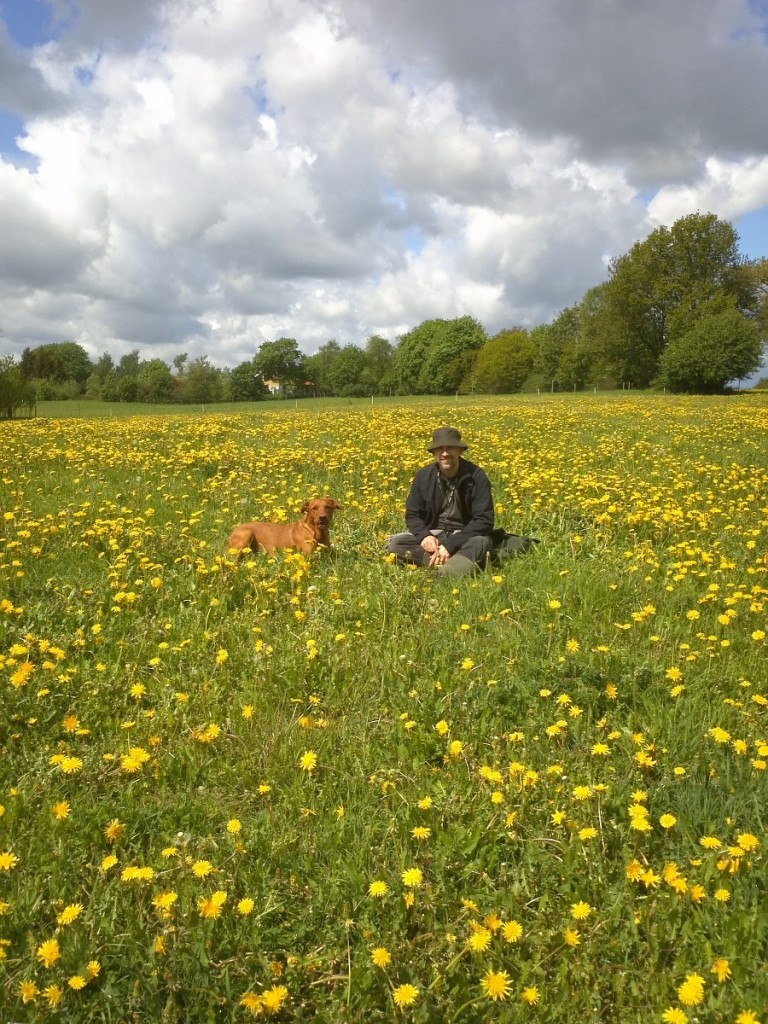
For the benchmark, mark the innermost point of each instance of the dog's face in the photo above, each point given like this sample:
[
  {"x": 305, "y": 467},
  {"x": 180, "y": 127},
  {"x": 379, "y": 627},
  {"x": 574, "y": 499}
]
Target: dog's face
[{"x": 320, "y": 510}]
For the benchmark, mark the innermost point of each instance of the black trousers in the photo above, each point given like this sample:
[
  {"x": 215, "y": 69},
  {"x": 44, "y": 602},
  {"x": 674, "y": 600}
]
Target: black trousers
[{"x": 406, "y": 548}]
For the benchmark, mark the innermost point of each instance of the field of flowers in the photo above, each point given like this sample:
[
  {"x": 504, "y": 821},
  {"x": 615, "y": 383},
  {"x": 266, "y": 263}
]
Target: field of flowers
[{"x": 335, "y": 789}]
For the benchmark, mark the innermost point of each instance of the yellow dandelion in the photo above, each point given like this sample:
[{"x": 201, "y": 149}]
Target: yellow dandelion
[
  {"x": 571, "y": 937},
  {"x": 691, "y": 992},
  {"x": 405, "y": 995},
  {"x": 496, "y": 985},
  {"x": 273, "y": 998},
  {"x": 512, "y": 931},
  {"x": 380, "y": 957},
  {"x": 48, "y": 952},
  {"x": 721, "y": 969},
  {"x": 674, "y": 1015},
  {"x": 70, "y": 914},
  {"x": 53, "y": 995},
  {"x": 412, "y": 878},
  {"x": 480, "y": 939}
]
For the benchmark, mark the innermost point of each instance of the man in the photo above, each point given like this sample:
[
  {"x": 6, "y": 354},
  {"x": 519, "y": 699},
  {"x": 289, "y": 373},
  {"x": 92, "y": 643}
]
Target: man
[{"x": 448, "y": 512}]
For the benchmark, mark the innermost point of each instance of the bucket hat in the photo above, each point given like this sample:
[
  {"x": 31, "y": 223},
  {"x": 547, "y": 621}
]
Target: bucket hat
[{"x": 446, "y": 437}]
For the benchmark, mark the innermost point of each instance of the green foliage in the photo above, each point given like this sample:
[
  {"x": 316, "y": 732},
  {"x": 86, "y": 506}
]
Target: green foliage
[
  {"x": 685, "y": 265},
  {"x": 435, "y": 357},
  {"x": 281, "y": 361},
  {"x": 14, "y": 390},
  {"x": 705, "y": 353},
  {"x": 246, "y": 383},
  {"x": 504, "y": 362}
]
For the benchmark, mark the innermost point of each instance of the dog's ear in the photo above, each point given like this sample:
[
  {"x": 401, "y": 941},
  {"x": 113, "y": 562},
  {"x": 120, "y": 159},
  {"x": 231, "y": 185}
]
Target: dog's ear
[
  {"x": 305, "y": 506},
  {"x": 334, "y": 504}
]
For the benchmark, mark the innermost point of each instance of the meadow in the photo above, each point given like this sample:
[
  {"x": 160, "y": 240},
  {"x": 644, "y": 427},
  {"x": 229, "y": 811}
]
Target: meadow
[{"x": 334, "y": 789}]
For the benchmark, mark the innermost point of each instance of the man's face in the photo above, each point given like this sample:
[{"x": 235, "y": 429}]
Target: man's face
[{"x": 447, "y": 460}]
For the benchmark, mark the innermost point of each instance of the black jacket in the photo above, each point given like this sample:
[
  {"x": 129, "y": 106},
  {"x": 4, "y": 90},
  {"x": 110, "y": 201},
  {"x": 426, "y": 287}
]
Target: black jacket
[{"x": 425, "y": 498}]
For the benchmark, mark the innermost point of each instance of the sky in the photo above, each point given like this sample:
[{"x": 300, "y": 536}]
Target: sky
[{"x": 203, "y": 176}]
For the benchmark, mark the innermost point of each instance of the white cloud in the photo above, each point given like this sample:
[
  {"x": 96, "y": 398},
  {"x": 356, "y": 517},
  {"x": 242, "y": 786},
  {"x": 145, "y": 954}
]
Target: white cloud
[
  {"x": 206, "y": 176},
  {"x": 727, "y": 188}
]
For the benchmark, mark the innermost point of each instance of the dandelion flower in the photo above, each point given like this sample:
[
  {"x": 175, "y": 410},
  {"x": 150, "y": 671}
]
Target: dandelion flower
[
  {"x": 28, "y": 991},
  {"x": 202, "y": 868},
  {"x": 77, "y": 982},
  {"x": 496, "y": 985},
  {"x": 53, "y": 994},
  {"x": 60, "y": 810},
  {"x": 480, "y": 939},
  {"x": 308, "y": 761},
  {"x": 377, "y": 889},
  {"x": 674, "y": 1015},
  {"x": 722, "y": 895},
  {"x": 667, "y": 821},
  {"x": 211, "y": 907},
  {"x": 420, "y": 832},
  {"x": 412, "y": 878},
  {"x": 274, "y": 998},
  {"x": 48, "y": 952},
  {"x": 691, "y": 992},
  {"x": 233, "y": 826},
  {"x": 381, "y": 957},
  {"x": 571, "y": 937},
  {"x": 251, "y": 1001},
  {"x": 70, "y": 913},
  {"x": 114, "y": 830},
  {"x": 245, "y": 906},
  {"x": 721, "y": 969},
  {"x": 530, "y": 995},
  {"x": 8, "y": 861},
  {"x": 747, "y": 1017},
  {"x": 405, "y": 995},
  {"x": 580, "y": 911},
  {"x": 747, "y": 842},
  {"x": 512, "y": 931}
]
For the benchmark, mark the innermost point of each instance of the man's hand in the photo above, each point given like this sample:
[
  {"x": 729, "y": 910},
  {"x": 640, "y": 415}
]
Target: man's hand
[
  {"x": 439, "y": 557},
  {"x": 436, "y": 551}
]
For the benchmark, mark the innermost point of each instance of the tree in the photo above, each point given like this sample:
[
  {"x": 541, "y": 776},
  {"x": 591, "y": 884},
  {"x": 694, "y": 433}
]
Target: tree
[
  {"x": 154, "y": 381},
  {"x": 58, "y": 364},
  {"x": 346, "y": 373},
  {"x": 504, "y": 362},
  {"x": 437, "y": 355},
  {"x": 246, "y": 383},
  {"x": 201, "y": 383},
  {"x": 318, "y": 367},
  {"x": 718, "y": 346},
  {"x": 409, "y": 356},
  {"x": 14, "y": 390},
  {"x": 451, "y": 355},
  {"x": 378, "y": 368},
  {"x": 281, "y": 361},
  {"x": 687, "y": 264},
  {"x": 561, "y": 357},
  {"x": 105, "y": 365}
]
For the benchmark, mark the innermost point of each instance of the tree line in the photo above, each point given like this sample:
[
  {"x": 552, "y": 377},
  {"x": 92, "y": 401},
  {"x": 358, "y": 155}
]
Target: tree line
[{"x": 681, "y": 310}]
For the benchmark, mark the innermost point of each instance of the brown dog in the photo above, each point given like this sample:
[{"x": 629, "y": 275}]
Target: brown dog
[{"x": 308, "y": 533}]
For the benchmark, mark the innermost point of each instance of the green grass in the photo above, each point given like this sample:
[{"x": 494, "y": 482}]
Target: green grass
[{"x": 491, "y": 700}]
